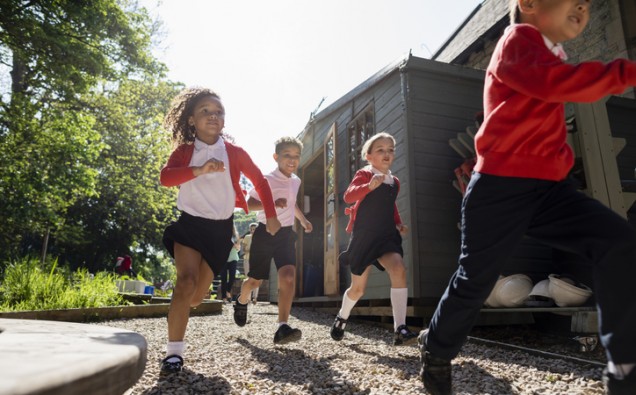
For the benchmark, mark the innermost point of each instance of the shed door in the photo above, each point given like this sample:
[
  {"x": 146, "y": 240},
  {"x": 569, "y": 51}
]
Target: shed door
[{"x": 331, "y": 279}]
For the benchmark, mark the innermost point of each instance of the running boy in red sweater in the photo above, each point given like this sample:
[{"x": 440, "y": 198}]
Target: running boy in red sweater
[{"x": 519, "y": 188}]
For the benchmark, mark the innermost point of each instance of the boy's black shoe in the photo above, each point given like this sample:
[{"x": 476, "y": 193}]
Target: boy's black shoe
[
  {"x": 436, "y": 372},
  {"x": 240, "y": 313},
  {"x": 613, "y": 386},
  {"x": 171, "y": 364},
  {"x": 286, "y": 334},
  {"x": 403, "y": 336},
  {"x": 338, "y": 328}
]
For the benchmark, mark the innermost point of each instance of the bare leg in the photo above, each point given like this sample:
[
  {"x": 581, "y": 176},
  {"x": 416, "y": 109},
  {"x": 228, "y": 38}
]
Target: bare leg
[
  {"x": 395, "y": 268},
  {"x": 246, "y": 289},
  {"x": 286, "y": 290},
  {"x": 193, "y": 277}
]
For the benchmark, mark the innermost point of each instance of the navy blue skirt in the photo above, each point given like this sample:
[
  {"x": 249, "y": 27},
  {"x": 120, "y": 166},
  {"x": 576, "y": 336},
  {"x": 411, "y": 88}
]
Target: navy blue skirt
[
  {"x": 211, "y": 238},
  {"x": 366, "y": 246}
]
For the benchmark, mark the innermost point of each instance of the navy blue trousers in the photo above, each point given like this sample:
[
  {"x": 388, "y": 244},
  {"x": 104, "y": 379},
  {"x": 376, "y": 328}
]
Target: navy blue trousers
[{"x": 496, "y": 214}]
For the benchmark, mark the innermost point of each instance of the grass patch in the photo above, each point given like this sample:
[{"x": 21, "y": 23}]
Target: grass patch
[{"x": 28, "y": 285}]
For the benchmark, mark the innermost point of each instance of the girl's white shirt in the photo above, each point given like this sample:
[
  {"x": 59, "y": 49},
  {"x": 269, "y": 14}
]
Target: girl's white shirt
[
  {"x": 209, "y": 195},
  {"x": 388, "y": 177}
]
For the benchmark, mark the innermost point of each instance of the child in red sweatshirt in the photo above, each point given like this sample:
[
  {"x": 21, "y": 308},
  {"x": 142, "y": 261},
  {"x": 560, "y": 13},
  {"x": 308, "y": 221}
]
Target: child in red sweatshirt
[{"x": 519, "y": 187}]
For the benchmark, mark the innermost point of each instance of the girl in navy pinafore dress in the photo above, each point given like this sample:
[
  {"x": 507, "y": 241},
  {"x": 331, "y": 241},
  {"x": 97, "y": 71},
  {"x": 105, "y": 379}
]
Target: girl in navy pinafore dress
[{"x": 376, "y": 236}]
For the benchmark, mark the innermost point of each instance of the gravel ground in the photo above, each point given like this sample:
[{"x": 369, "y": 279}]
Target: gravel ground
[{"x": 222, "y": 358}]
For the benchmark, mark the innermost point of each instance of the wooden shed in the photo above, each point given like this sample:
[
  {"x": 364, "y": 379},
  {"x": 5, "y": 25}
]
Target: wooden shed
[
  {"x": 423, "y": 104},
  {"x": 430, "y": 107}
]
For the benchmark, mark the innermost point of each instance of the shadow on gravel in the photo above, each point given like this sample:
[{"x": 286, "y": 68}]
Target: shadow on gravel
[
  {"x": 469, "y": 378},
  {"x": 400, "y": 361},
  {"x": 294, "y": 366},
  {"x": 189, "y": 382}
]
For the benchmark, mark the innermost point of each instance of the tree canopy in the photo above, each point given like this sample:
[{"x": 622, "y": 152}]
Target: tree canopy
[{"x": 81, "y": 141}]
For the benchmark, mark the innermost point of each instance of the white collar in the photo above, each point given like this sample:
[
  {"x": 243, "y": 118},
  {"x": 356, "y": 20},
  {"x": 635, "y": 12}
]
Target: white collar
[
  {"x": 556, "y": 49},
  {"x": 279, "y": 174},
  {"x": 376, "y": 171},
  {"x": 220, "y": 144}
]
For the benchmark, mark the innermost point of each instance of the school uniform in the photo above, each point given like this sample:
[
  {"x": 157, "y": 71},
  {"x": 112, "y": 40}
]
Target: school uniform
[
  {"x": 207, "y": 202},
  {"x": 520, "y": 187},
  {"x": 373, "y": 221},
  {"x": 282, "y": 246}
]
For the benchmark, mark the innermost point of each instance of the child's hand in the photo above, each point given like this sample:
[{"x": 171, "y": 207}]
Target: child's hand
[
  {"x": 308, "y": 226},
  {"x": 280, "y": 202},
  {"x": 376, "y": 181},
  {"x": 403, "y": 229},
  {"x": 211, "y": 166},
  {"x": 272, "y": 226}
]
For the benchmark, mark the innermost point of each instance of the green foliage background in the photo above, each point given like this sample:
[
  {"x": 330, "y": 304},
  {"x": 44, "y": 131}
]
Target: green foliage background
[{"x": 81, "y": 137}]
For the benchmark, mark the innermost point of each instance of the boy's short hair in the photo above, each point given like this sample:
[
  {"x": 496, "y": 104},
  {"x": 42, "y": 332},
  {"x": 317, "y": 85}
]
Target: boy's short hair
[
  {"x": 287, "y": 140},
  {"x": 515, "y": 16}
]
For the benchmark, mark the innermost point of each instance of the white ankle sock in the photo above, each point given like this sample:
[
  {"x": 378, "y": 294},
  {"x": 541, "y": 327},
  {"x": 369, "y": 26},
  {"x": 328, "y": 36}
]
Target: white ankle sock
[
  {"x": 347, "y": 306},
  {"x": 621, "y": 370},
  {"x": 175, "y": 348},
  {"x": 399, "y": 300}
]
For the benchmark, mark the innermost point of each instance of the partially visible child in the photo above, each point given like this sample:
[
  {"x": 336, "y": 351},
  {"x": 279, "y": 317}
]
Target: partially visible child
[
  {"x": 246, "y": 243},
  {"x": 207, "y": 169},
  {"x": 280, "y": 247},
  {"x": 520, "y": 187},
  {"x": 228, "y": 273},
  {"x": 376, "y": 238}
]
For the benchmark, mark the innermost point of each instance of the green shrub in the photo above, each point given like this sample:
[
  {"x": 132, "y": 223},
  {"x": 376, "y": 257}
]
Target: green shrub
[{"x": 29, "y": 286}]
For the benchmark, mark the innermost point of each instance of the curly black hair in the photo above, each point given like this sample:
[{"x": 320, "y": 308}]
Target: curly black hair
[{"x": 176, "y": 120}]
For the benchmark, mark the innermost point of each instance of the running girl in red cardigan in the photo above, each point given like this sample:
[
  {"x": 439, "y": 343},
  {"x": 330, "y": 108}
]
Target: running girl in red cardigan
[
  {"x": 207, "y": 168},
  {"x": 376, "y": 238}
]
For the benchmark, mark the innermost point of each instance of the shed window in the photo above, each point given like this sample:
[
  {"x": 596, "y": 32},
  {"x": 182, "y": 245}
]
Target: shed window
[{"x": 359, "y": 130}]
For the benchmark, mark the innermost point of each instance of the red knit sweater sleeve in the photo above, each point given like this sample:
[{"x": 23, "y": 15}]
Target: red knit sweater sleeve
[
  {"x": 359, "y": 186},
  {"x": 254, "y": 174},
  {"x": 526, "y": 65},
  {"x": 177, "y": 170}
]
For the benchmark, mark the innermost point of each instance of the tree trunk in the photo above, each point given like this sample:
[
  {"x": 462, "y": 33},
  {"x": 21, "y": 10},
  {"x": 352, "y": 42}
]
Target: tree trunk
[{"x": 45, "y": 245}]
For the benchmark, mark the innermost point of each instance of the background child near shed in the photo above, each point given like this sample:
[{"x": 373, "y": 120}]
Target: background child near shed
[
  {"x": 520, "y": 187},
  {"x": 207, "y": 170},
  {"x": 376, "y": 238},
  {"x": 246, "y": 243}
]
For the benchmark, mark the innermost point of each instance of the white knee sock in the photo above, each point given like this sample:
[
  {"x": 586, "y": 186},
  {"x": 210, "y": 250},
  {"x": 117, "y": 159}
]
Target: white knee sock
[
  {"x": 175, "y": 348},
  {"x": 399, "y": 300},
  {"x": 347, "y": 306}
]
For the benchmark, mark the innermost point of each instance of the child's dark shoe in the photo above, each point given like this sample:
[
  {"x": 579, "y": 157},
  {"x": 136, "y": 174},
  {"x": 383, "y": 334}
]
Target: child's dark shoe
[
  {"x": 403, "y": 336},
  {"x": 171, "y": 364},
  {"x": 338, "y": 328},
  {"x": 286, "y": 334},
  {"x": 436, "y": 373},
  {"x": 240, "y": 313},
  {"x": 614, "y": 386}
]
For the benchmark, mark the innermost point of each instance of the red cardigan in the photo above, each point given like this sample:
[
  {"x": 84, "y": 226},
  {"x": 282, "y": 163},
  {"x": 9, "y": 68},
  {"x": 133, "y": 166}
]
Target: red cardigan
[
  {"x": 524, "y": 131},
  {"x": 356, "y": 192},
  {"x": 177, "y": 171}
]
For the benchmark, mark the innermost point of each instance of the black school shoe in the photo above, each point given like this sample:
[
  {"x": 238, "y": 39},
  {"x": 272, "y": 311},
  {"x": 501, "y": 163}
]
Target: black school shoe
[
  {"x": 338, "y": 328},
  {"x": 613, "y": 386},
  {"x": 171, "y": 364},
  {"x": 240, "y": 312},
  {"x": 435, "y": 372},
  {"x": 403, "y": 336},
  {"x": 286, "y": 334}
]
